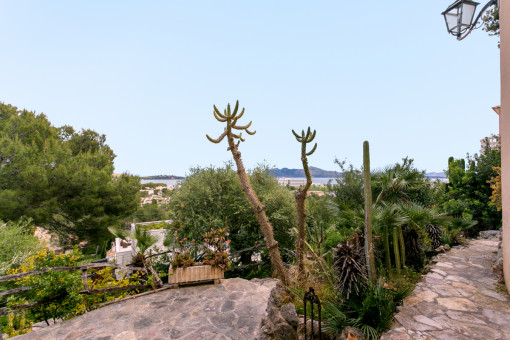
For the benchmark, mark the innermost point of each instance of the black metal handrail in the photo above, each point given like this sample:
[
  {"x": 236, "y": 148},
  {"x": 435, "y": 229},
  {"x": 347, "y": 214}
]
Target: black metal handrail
[{"x": 311, "y": 297}]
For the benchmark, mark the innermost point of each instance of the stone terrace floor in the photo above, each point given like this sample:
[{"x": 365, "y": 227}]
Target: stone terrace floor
[
  {"x": 457, "y": 299},
  {"x": 230, "y": 310}
]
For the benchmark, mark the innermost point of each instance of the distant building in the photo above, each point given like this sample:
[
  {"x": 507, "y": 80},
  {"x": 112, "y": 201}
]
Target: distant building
[
  {"x": 316, "y": 193},
  {"x": 492, "y": 142},
  {"x": 293, "y": 182}
]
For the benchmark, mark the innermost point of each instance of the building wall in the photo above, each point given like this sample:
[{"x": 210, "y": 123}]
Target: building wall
[{"x": 504, "y": 132}]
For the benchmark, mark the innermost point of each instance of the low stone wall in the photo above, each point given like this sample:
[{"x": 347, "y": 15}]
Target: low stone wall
[{"x": 281, "y": 321}]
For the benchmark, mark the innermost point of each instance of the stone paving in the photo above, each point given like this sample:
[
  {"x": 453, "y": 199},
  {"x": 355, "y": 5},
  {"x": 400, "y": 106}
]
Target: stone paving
[
  {"x": 230, "y": 310},
  {"x": 457, "y": 299}
]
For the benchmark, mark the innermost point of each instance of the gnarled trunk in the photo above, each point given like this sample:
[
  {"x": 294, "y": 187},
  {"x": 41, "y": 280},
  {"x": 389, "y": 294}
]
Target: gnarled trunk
[{"x": 259, "y": 210}]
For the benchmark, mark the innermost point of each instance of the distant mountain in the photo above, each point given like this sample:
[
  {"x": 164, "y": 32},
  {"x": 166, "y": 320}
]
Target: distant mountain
[
  {"x": 435, "y": 174},
  {"x": 319, "y": 173},
  {"x": 161, "y": 177},
  {"x": 293, "y": 173}
]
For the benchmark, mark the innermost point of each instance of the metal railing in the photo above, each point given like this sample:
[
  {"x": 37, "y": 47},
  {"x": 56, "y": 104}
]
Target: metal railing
[{"x": 311, "y": 297}]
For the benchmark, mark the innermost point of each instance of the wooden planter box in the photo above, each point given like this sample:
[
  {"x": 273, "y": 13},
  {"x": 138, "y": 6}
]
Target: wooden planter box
[{"x": 195, "y": 274}]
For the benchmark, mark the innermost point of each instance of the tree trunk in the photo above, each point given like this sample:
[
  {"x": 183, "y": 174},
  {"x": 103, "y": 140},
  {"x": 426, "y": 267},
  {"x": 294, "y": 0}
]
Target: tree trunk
[
  {"x": 148, "y": 266},
  {"x": 369, "y": 245},
  {"x": 258, "y": 208}
]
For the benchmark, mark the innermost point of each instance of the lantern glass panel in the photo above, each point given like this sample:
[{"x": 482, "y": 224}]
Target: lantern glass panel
[
  {"x": 468, "y": 11},
  {"x": 452, "y": 20}
]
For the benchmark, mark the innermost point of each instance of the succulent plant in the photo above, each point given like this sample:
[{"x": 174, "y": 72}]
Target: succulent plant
[
  {"x": 349, "y": 268},
  {"x": 434, "y": 232}
]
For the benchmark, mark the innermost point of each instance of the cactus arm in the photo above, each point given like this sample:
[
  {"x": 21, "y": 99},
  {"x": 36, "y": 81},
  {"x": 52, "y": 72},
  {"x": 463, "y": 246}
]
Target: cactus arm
[
  {"x": 241, "y": 114},
  {"x": 243, "y": 127},
  {"x": 250, "y": 133},
  {"x": 235, "y": 108},
  {"x": 312, "y": 151},
  {"x": 219, "y": 139},
  {"x": 218, "y": 118},
  {"x": 218, "y": 112},
  {"x": 296, "y": 135}
]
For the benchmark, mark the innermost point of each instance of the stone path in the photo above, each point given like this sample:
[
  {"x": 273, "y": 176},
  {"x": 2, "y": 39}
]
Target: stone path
[
  {"x": 457, "y": 299},
  {"x": 230, "y": 310}
]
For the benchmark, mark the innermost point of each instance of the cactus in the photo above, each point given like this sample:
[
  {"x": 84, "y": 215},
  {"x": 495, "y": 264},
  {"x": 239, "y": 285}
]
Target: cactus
[
  {"x": 369, "y": 245},
  {"x": 301, "y": 196},
  {"x": 231, "y": 118},
  {"x": 402, "y": 246},
  {"x": 396, "y": 251}
]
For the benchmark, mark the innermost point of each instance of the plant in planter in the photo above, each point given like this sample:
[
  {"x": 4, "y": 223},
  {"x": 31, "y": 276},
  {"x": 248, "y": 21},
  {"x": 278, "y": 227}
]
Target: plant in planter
[
  {"x": 215, "y": 243},
  {"x": 183, "y": 260},
  {"x": 215, "y": 259}
]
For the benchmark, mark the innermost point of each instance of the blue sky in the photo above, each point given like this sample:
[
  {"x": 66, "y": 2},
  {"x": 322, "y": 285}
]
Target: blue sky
[{"x": 147, "y": 73}]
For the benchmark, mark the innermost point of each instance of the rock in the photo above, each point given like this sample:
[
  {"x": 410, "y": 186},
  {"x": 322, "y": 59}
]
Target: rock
[
  {"x": 288, "y": 312},
  {"x": 427, "y": 295},
  {"x": 351, "y": 333},
  {"x": 460, "y": 304},
  {"x": 301, "y": 329},
  {"x": 281, "y": 322},
  {"x": 490, "y": 234},
  {"x": 442, "y": 249}
]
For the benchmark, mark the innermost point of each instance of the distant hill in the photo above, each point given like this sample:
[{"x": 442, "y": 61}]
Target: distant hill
[
  {"x": 319, "y": 173},
  {"x": 316, "y": 172},
  {"x": 435, "y": 174},
  {"x": 157, "y": 177},
  {"x": 292, "y": 173}
]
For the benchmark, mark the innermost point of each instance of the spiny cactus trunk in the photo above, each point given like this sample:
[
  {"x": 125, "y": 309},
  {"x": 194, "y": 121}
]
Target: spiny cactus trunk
[
  {"x": 369, "y": 245},
  {"x": 301, "y": 200},
  {"x": 402, "y": 246},
  {"x": 258, "y": 208},
  {"x": 387, "y": 256},
  {"x": 396, "y": 251}
]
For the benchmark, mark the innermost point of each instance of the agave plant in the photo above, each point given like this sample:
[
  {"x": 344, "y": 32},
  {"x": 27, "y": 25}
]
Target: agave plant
[
  {"x": 434, "y": 232},
  {"x": 349, "y": 269}
]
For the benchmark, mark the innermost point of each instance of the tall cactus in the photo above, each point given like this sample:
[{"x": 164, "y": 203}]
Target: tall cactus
[
  {"x": 301, "y": 197},
  {"x": 231, "y": 118},
  {"x": 369, "y": 245}
]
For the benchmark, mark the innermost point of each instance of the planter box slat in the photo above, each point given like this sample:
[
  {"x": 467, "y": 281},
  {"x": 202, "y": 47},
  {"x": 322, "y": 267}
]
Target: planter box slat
[{"x": 195, "y": 274}]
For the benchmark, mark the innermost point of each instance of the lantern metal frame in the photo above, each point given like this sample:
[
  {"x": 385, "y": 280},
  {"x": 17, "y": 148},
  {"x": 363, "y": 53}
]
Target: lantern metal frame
[{"x": 463, "y": 30}]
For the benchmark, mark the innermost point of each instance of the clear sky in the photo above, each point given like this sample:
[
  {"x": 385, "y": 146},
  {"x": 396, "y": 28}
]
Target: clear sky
[{"x": 147, "y": 73}]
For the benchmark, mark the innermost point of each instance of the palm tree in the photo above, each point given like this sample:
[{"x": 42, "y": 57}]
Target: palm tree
[{"x": 142, "y": 242}]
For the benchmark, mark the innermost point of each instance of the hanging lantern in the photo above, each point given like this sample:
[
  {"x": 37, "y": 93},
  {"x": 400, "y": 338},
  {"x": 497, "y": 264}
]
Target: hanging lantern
[{"x": 459, "y": 16}]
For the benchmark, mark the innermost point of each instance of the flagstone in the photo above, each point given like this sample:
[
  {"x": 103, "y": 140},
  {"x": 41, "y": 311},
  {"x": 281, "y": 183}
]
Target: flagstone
[
  {"x": 457, "y": 304},
  {"x": 427, "y": 295},
  {"x": 457, "y": 299}
]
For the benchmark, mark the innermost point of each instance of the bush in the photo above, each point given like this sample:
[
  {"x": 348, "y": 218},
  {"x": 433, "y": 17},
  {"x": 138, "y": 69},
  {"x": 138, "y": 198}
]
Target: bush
[
  {"x": 16, "y": 243},
  {"x": 57, "y": 293}
]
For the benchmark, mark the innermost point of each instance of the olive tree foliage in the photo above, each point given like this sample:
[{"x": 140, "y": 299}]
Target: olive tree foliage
[
  {"x": 212, "y": 196},
  {"x": 60, "y": 178}
]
